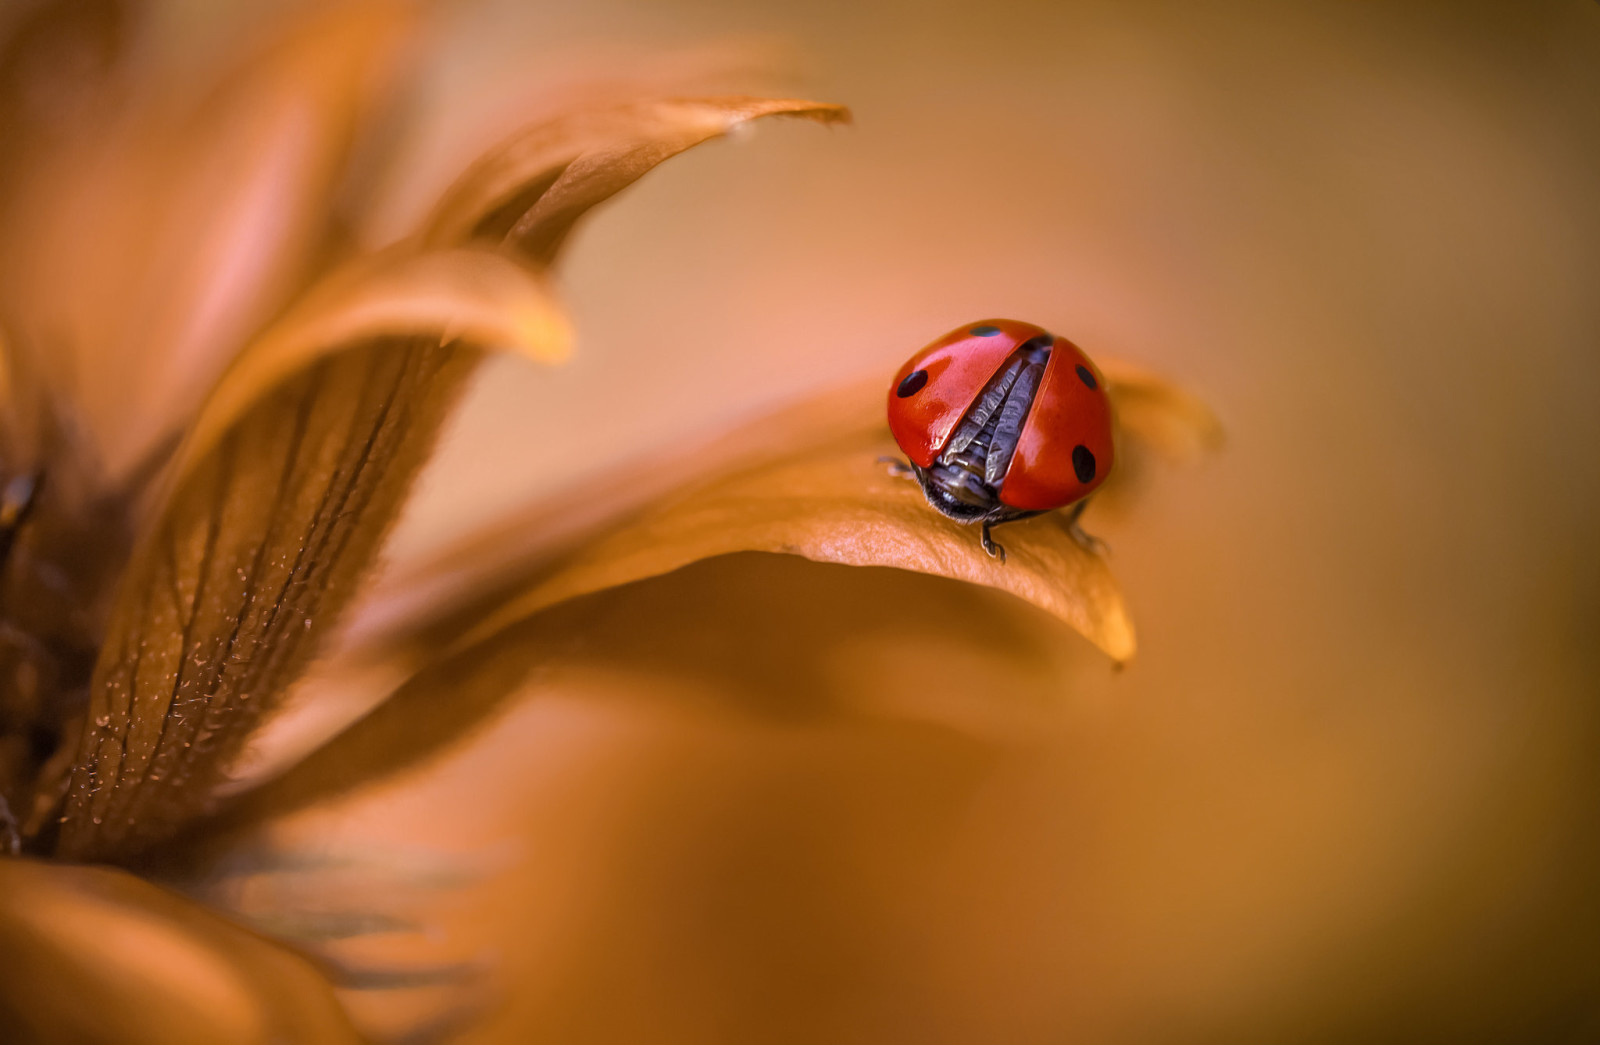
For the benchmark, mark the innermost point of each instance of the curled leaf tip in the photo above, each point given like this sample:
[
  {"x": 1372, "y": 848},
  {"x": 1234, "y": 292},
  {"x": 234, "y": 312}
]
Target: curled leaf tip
[
  {"x": 741, "y": 109},
  {"x": 528, "y": 193},
  {"x": 1161, "y": 415}
]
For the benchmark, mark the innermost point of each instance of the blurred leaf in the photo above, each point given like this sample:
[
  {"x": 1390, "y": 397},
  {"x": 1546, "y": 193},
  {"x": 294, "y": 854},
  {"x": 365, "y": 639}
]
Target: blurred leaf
[
  {"x": 474, "y": 295},
  {"x": 1155, "y": 421},
  {"x": 161, "y": 224},
  {"x": 1157, "y": 415},
  {"x": 96, "y": 955},
  {"x": 529, "y": 192}
]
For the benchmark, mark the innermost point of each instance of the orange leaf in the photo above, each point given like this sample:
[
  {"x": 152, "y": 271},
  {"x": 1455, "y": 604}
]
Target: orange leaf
[
  {"x": 470, "y": 295},
  {"x": 94, "y": 954},
  {"x": 1155, "y": 421},
  {"x": 805, "y": 480},
  {"x": 838, "y": 503},
  {"x": 242, "y": 572},
  {"x": 1158, "y": 415},
  {"x": 530, "y": 191}
]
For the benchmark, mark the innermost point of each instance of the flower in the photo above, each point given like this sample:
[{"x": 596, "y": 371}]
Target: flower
[{"x": 217, "y": 396}]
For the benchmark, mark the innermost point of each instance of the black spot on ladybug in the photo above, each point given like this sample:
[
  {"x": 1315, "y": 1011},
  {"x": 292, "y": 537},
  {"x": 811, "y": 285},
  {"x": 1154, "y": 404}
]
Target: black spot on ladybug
[
  {"x": 1087, "y": 378},
  {"x": 984, "y": 331},
  {"x": 912, "y": 384},
  {"x": 1083, "y": 463}
]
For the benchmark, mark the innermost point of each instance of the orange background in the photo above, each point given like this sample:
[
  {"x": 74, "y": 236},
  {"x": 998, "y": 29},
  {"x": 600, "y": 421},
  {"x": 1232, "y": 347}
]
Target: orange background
[{"x": 1347, "y": 789}]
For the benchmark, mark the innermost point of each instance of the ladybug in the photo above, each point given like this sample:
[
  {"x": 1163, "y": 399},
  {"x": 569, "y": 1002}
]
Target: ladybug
[{"x": 1003, "y": 420}]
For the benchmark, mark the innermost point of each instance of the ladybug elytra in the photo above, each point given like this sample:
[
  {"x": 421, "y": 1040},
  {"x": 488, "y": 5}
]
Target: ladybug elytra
[{"x": 1003, "y": 420}]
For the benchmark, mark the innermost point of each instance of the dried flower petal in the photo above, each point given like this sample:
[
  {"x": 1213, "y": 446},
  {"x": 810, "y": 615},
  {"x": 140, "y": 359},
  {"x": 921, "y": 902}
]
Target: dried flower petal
[
  {"x": 805, "y": 479},
  {"x": 529, "y": 192},
  {"x": 93, "y": 954},
  {"x": 838, "y": 503},
  {"x": 419, "y": 608},
  {"x": 434, "y": 603},
  {"x": 415, "y": 611},
  {"x": 261, "y": 546},
  {"x": 281, "y": 499},
  {"x": 504, "y": 556},
  {"x": 474, "y": 295}
]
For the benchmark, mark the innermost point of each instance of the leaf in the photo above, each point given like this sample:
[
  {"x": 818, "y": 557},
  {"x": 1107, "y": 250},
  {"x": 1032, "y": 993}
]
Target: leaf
[
  {"x": 94, "y": 954},
  {"x": 175, "y": 215},
  {"x": 529, "y": 192},
  {"x": 470, "y": 294},
  {"x": 502, "y": 557},
  {"x": 293, "y": 473},
  {"x": 413, "y": 611},
  {"x": 431, "y": 605},
  {"x": 1158, "y": 415},
  {"x": 1156, "y": 420},
  {"x": 261, "y": 545},
  {"x": 427, "y": 616},
  {"x": 838, "y": 503},
  {"x": 281, "y": 503},
  {"x": 748, "y": 636},
  {"x": 467, "y": 588}
]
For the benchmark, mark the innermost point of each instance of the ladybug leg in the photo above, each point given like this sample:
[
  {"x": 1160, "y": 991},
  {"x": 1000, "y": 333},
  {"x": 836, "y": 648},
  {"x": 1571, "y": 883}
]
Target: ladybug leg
[
  {"x": 1087, "y": 541},
  {"x": 897, "y": 468},
  {"x": 989, "y": 545}
]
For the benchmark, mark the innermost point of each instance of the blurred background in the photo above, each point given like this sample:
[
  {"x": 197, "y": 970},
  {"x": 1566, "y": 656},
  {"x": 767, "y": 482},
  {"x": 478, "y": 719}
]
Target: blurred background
[{"x": 1348, "y": 788}]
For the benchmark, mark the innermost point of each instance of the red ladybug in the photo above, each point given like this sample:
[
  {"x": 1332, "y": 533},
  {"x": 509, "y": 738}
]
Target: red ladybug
[{"x": 1003, "y": 420}]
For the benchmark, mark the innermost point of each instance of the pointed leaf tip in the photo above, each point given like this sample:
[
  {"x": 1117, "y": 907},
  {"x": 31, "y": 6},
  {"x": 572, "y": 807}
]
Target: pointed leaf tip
[{"x": 529, "y": 192}]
